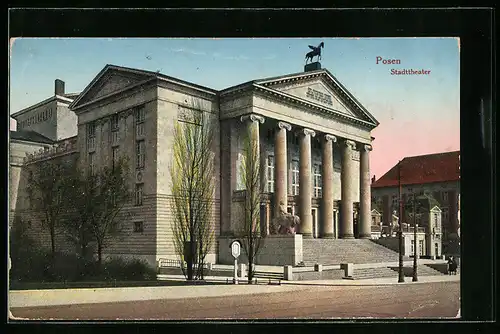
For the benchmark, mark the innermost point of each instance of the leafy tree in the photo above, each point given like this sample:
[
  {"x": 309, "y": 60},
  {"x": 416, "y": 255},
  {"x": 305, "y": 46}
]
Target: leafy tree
[
  {"x": 250, "y": 171},
  {"x": 48, "y": 186},
  {"x": 192, "y": 174},
  {"x": 98, "y": 199}
]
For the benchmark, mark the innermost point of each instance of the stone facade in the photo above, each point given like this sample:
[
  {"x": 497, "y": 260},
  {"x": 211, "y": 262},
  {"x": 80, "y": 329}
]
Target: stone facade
[{"x": 302, "y": 120}]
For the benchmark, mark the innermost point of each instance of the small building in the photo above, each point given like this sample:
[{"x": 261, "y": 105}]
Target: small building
[
  {"x": 428, "y": 222},
  {"x": 436, "y": 175}
]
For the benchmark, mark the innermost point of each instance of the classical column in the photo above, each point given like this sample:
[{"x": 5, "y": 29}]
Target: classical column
[
  {"x": 364, "y": 193},
  {"x": 280, "y": 167},
  {"x": 346, "y": 228},
  {"x": 252, "y": 122},
  {"x": 326, "y": 229},
  {"x": 305, "y": 184}
]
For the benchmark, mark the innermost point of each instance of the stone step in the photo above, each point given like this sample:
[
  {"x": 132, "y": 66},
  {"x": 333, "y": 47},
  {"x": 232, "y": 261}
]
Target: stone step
[
  {"x": 372, "y": 273},
  {"x": 335, "y": 251}
]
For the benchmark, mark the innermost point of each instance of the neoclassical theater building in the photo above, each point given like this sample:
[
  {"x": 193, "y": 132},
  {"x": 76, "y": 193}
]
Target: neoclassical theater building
[{"x": 315, "y": 142}]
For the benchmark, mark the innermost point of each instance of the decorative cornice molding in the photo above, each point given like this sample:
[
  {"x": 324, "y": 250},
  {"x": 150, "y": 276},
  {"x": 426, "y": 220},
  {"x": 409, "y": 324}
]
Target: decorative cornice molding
[
  {"x": 329, "y": 137},
  {"x": 252, "y": 118},
  {"x": 284, "y": 125}
]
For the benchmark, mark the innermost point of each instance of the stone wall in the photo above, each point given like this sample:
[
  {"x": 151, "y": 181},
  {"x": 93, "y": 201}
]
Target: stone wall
[
  {"x": 333, "y": 274},
  {"x": 276, "y": 250}
]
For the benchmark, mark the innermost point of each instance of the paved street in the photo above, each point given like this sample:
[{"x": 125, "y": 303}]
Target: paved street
[{"x": 429, "y": 300}]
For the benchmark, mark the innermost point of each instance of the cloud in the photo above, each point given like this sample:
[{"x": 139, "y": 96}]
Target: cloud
[
  {"x": 214, "y": 54},
  {"x": 235, "y": 57},
  {"x": 189, "y": 51},
  {"x": 269, "y": 57}
]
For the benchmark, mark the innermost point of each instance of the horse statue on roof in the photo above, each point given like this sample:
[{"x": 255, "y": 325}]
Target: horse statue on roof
[{"x": 316, "y": 51}]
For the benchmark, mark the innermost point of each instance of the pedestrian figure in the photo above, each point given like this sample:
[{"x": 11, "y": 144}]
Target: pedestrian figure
[{"x": 452, "y": 266}]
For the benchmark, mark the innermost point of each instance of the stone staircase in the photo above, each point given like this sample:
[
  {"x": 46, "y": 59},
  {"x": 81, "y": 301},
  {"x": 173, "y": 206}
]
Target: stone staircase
[
  {"x": 381, "y": 272},
  {"x": 336, "y": 251}
]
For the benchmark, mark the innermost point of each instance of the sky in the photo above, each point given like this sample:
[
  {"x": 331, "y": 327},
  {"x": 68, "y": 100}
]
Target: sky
[{"x": 418, "y": 114}]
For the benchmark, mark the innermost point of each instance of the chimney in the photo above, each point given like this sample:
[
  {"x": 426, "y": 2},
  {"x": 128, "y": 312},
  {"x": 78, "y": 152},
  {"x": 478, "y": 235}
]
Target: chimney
[
  {"x": 373, "y": 179},
  {"x": 59, "y": 87}
]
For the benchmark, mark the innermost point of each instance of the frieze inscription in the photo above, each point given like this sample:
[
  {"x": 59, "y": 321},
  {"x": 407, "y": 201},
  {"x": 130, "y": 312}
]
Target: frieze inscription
[
  {"x": 37, "y": 118},
  {"x": 319, "y": 96}
]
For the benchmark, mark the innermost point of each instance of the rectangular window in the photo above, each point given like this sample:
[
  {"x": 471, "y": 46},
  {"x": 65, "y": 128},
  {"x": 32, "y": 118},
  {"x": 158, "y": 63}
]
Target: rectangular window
[
  {"x": 91, "y": 130},
  {"x": 412, "y": 247},
  {"x": 138, "y": 227},
  {"x": 317, "y": 180},
  {"x": 295, "y": 177},
  {"x": 115, "y": 155},
  {"x": 445, "y": 196},
  {"x": 445, "y": 214},
  {"x": 140, "y": 154},
  {"x": 316, "y": 144},
  {"x": 270, "y": 174},
  {"x": 92, "y": 163},
  {"x": 394, "y": 202},
  {"x": 140, "y": 116},
  {"x": 421, "y": 247},
  {"x": 295, "y": 139},
  {"x": 270, "y": 135},
  {"x": 436, "y": 223},
  {"x": 139, "y": 192},
  {"x": 115, "y": 129}
]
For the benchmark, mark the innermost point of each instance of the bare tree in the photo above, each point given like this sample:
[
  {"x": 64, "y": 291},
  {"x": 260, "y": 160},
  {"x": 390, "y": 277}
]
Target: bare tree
[
  {"x": 192, "y": 174},
  {"x": 48, "y": 185},
  {"x": 98, "y": 199},
  {"x": 250, "y": 170}
]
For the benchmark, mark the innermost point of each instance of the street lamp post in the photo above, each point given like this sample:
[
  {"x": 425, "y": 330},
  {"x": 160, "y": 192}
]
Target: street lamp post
[
  {"x": 415, "y": 277},
  {"x": 401, "y": 275}
]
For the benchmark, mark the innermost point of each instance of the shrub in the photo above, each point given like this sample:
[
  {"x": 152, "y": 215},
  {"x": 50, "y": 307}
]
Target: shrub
[
  {"x": 136, "y": 270},
  {"x": 41, "y": 266}
]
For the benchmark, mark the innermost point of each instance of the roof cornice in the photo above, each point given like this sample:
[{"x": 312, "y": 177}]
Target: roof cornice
[
  {"x": 104, "y": 97},
  {"x": 57, "y": 98},
  {"x": 332, "y": 81},
  {"x": 312, "y": 105}
]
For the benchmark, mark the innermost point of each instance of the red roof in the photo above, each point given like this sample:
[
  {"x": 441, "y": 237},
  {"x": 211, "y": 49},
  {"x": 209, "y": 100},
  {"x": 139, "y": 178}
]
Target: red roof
[{"x": 439, "y": 167}]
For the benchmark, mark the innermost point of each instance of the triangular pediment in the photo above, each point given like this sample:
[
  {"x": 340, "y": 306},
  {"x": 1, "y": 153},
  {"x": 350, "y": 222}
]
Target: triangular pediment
[
  {"x": 317, "y": 92},
  {"x": 320, "y": 88},
  {"x": 109, "y": 81}
]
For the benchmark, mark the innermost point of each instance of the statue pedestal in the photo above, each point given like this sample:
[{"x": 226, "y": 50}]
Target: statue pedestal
[
  {"x": 312, "y": 66},
  {"x": 275, "y": 250}
]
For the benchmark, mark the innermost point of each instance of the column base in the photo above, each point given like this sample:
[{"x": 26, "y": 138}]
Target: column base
[
  {"x": 365, "y": 236},
  {"x": 307, "y": 235},
  {"x": 346, "y": 236},
  {"x": 327, "y": 236}
]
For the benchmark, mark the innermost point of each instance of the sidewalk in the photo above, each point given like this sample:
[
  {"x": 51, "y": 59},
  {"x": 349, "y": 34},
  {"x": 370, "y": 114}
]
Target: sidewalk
[{"x": 34, "y": 298}]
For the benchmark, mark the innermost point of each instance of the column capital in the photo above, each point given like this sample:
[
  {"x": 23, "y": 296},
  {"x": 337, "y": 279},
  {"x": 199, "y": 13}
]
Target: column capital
[
  {"x": 306, "y": 132},
  {"x": 349, "y": 143},
  {"x": 332, "y": 138},
  {"x": 283, "y": 125},
  {"x": 366, "y": 148},
  {"x": 252, "y": 118}
]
